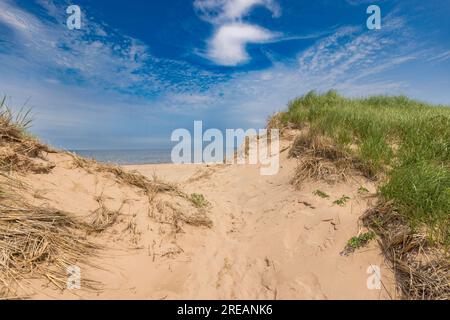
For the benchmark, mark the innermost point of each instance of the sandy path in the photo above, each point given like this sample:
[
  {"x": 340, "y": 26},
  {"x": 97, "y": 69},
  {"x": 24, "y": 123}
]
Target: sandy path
[{"x": 268, "y": 240}]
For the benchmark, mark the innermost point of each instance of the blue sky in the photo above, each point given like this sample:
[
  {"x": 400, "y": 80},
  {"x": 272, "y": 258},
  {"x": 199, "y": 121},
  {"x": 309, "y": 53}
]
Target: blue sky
[{"x": 139, "y": 69}]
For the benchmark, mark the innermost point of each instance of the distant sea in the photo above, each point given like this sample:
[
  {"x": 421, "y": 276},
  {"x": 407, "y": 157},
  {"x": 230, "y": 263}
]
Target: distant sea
[{"x": 124, "y": 157}]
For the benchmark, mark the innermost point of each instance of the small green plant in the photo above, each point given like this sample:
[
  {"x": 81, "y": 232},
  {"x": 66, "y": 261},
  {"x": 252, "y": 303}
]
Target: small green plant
[
  {"x": 363, "y": 190},
  {"x": 321, "y": 194},
  {"x": 341, "y": 201},
  {"x": 199, "y": 200},
  {"x": 361, "y": 240}
]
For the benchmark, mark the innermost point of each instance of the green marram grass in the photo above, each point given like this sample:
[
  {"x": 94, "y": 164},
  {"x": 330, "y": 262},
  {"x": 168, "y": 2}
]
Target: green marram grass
[{"x": 403, "y": 143}]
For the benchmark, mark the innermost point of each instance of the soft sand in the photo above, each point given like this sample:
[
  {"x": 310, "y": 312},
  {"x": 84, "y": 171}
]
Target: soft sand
[{"x": 268, "y": 240}]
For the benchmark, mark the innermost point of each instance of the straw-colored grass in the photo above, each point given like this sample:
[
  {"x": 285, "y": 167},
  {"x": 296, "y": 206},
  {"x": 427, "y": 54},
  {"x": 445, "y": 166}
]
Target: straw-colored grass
[
  {"x": 18, "y": 150},
  {"x": 173, "y": 214},
  {"x": 131, "y": 178},
  {"x": 422, "y": 268},
  {"x": 319, "y": 159},
  {"x": 40, "y": 243},
  {"x": 102, "y": 218},
  {"x": 151, "y": 187}
]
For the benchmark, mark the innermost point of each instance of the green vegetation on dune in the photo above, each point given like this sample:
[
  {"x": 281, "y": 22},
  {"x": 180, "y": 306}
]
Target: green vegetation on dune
[
  {"x": 361, "y": 240},
  {"x": 402, "y": 142}
]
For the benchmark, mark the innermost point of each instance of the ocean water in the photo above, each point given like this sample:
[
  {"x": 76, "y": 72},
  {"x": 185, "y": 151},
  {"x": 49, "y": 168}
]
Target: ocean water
[
  {"x": 124, "y": 157},
  {"x": 148, "y": 156}
]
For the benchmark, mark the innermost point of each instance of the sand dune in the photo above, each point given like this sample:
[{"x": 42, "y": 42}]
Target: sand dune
[{"x": 267, "y": 240}]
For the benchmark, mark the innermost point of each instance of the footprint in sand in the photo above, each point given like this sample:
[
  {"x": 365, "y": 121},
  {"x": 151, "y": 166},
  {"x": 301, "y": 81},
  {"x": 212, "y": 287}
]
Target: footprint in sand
[
  {"x": 302, "y": 287},
  {"x": 320, "y": 235}
]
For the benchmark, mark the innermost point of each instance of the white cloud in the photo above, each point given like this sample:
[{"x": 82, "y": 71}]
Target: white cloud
[{"x": 227, "y": 47}]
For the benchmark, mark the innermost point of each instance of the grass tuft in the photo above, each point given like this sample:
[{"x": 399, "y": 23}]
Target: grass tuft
[{"x": 319, "y": 159}]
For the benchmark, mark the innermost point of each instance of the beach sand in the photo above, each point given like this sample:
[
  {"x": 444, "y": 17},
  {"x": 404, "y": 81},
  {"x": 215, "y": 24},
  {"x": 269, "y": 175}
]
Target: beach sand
[{"x": 268, "y": 240}]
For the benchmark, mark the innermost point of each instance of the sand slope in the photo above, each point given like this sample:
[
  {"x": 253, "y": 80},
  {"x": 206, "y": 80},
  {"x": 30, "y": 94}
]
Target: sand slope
[{"x": 268, "y": 240}]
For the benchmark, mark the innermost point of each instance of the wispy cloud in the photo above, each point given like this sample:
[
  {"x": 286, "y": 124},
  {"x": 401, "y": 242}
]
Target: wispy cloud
[
  {"x": 96, "y": 55},
  {"x": 352, "y": 53},
  {"x": 442, "y": 56}
]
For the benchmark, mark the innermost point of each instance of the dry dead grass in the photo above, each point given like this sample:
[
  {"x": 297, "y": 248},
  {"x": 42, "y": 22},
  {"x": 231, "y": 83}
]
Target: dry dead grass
[
  {"x": 200, "y": 174},
  {"x": 131, "y": 178},
  {"x": 19, "y": 151},
  {"x": 319, "y": 159},
  {"x": 166, "y": 211},
  {"x": 173, "y": 213},
  {"x": 103, "y": 218},
  {"x": 22, "y": 154},
  {"x": 422, "y": 270},
  {"x": 39, "y": 242},
  {"x": 151, "y": 187},
  {"x": 14, "y": 160},
  {"x": 275, "y": 122}
]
